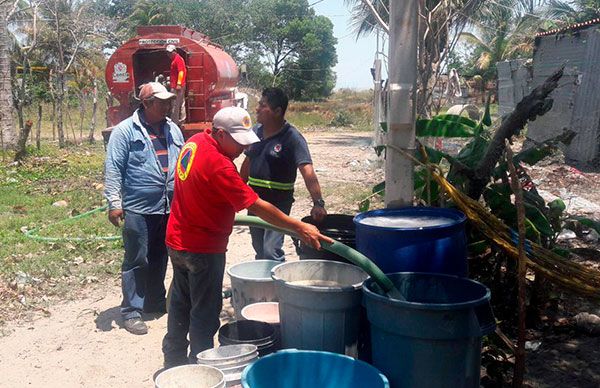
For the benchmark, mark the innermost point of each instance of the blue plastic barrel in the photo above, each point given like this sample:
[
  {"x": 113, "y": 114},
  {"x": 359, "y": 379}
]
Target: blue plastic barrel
[
  {"x": 311, "y": 369},
  {"x": 433, "y": 338},
  {"x": 440, "y": 246}
]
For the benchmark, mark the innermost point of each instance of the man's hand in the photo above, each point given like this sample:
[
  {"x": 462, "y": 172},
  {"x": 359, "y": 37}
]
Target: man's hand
[
  {"x": 178, "y": 87},
  {"x": 115, "y": 216},
  {"x": 310, "y": 235},
  {"x": 318, "y": 213}
]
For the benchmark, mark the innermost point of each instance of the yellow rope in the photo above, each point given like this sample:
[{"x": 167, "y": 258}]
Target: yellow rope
[{"x": 570, "y": 275}]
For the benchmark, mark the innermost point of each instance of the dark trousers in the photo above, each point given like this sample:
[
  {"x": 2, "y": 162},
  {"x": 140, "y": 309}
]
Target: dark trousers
[
  {"x": 195, "y": 305},
  {"x": 268, "y": 244},
  {"x": 145, "y": 264}
]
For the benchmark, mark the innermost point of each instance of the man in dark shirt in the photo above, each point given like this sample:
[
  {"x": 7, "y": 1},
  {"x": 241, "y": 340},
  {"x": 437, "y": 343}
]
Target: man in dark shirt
[{"x": 271, "y": 166}]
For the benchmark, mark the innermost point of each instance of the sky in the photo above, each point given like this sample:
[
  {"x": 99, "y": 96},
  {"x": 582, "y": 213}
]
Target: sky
[{"x": 355, "y": 57}]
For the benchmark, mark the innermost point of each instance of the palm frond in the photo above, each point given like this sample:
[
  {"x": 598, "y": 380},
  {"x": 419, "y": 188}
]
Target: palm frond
[
  {"x": 485, "y": 60},
  {"x": 473, "y": 39}
]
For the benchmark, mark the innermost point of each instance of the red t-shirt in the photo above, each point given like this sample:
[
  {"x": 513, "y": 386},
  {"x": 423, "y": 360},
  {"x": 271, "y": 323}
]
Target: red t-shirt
[
  {"x": 177, "y": 65},
  {"x": 208, "y": 193}
]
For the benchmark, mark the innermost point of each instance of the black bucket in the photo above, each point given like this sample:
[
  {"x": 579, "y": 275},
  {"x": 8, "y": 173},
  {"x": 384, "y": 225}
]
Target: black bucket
[
  {"x": 261, "y": 334},
  {"x": 339, "y": 227}
]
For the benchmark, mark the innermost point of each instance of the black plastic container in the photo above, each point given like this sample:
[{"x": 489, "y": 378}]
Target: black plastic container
[
  {"x": 339, "y": 227},
  {"x": 258, "y": 333}
]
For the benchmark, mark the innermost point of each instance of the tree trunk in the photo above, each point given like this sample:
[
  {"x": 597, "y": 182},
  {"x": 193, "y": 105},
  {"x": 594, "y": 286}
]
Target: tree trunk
[
  {"x": 81, "y": 117},
  {"x": 38, "y": 131},
  {"x": 109, "y": 104},
  {"x": 534, "y": 104},
  {"x": 7, "y": 130},
  {"x": 94, "y": 110},
  {"x": 21, "y": 96},
  {"x": 22, "y": 143},
  {"x": 60, "y": 94},
  {"x": 53, "y": 119}
]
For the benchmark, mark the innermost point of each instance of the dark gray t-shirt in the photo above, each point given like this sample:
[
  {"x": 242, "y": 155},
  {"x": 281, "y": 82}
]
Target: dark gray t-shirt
[{"x": 277, "y": 159}]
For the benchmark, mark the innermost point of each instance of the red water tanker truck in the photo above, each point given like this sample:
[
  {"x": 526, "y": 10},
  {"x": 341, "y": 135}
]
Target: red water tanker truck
[{"x": 212, "y": 74}]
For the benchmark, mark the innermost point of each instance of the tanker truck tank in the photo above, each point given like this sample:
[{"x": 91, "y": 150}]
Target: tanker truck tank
[{"x": 212, "y": 74}]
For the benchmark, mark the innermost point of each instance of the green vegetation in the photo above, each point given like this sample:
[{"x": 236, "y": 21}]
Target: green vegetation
[
  {"x": 346, "y": 108},
  {"x": 27, "y": 195}
]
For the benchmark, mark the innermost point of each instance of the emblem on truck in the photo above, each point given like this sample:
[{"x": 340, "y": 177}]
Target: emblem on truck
[{"x": 120, "y": 74}]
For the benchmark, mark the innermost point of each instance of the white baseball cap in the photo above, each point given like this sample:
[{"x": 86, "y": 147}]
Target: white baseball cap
[
  {"x": 236, "y": 121},
  {"x": 154, "y": 89},
  {"x": 170, "y": 48}
]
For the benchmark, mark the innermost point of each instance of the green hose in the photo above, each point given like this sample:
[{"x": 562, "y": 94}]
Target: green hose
[
  {"x": 336, "y": 247},
  {"x": 33, "y": 233}
]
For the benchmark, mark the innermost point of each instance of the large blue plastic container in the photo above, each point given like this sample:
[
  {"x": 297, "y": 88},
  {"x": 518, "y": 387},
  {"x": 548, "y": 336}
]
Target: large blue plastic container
[
  {"x": 437, "y": 249},
  {"x": 311, "y": 369},
  {"x": 433, "y": 338}
]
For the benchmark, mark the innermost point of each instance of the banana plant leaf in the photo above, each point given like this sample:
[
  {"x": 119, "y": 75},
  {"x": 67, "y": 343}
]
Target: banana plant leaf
[
  {"x": 478, "y": 247},
  {"x": 421, "y": 178},
  {"x": 486, "y": 120},
  {"x": 433, "y": 155},
  {"x": 533, "y": 155},
  {"x": 379, "y": 188},
  {"x": 588, "y": 222},
  {"x": 446, "y": 126},
  {"x": 498, "y": 198}
]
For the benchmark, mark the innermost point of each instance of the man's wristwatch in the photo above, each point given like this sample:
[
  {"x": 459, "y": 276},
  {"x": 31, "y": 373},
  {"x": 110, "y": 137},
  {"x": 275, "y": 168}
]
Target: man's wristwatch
[{"x": 319, "y": 202}]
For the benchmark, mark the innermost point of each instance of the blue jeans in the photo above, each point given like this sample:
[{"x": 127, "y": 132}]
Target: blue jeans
[
  {"x": 195, "y": 305},
  {"x": 268, "y": 244},
  {"x": 145, "y": 264}
]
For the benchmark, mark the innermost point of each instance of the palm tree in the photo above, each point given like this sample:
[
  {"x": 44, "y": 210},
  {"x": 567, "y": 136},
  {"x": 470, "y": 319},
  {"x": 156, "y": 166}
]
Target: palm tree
[
  {"x": 150, "y": 12},
  {"x": 440, "y": 24},
  {"x": 503, "y": 30},
  {"x": 7, "y": 132},
  {"x": 575, "y": 11}
]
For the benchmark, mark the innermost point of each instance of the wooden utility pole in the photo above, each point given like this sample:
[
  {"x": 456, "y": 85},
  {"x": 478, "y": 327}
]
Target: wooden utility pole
[{"x": 401, "y": 110}]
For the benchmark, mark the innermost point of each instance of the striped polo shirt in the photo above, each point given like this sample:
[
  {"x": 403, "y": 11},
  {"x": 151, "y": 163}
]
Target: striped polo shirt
[{"x": 159, "y": 142}]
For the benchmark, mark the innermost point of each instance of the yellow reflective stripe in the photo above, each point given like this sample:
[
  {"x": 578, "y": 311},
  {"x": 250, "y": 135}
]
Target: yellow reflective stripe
[{"x": 270, "y": 184}]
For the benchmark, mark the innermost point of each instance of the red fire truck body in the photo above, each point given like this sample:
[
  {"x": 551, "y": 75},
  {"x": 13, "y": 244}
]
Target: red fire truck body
[{"x": 212, "y": 74}]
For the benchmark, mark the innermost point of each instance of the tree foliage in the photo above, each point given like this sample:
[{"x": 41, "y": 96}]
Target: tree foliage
[
  {"x": 299, "y": 47},
  {"x": 501, "y": 31},
  {"x": 282, "y": 42}
]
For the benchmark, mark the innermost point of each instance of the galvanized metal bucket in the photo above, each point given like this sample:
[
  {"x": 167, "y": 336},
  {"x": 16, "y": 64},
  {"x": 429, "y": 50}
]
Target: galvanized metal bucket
[
  {"x": 230, "y": 359},
  {"x": 251, "y": 283},
  {"x": 190, "y": 376},
  {"x": 319, "y": 305}
]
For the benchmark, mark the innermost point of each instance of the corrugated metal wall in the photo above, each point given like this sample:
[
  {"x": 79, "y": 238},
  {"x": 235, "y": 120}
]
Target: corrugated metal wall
[
  {"x": 514, "y": 78},
  {"x": 586, "y": 108},
  {"x": 577, "y": 98}
]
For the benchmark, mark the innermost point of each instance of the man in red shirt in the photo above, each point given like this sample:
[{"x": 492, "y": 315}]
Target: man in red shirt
[
  {"x": 208, "y": 193},
  {"x": 177, "y": 81}
]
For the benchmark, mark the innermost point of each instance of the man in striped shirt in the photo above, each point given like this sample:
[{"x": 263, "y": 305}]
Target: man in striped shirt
[{"x": 139, "y": 174}]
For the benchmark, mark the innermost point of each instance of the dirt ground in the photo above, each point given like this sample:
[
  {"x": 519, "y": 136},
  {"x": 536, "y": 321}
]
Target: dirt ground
[{"x": 82, "y": 343}]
